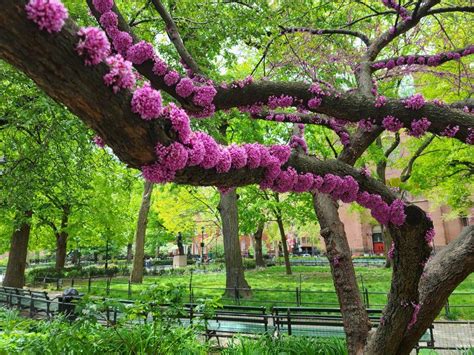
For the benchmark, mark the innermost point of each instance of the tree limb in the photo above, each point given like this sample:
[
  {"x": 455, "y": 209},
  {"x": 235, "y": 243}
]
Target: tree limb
[
  {"x": 357, "y": 34},
  {"x": 173, "y": 34},
  {"x": 406, "y": 173}
]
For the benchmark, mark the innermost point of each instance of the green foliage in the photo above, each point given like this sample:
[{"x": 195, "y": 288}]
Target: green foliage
[{"x": 291, "y": 345}]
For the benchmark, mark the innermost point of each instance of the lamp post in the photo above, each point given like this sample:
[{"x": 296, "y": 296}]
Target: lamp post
[{"x": 202, "y": 244}]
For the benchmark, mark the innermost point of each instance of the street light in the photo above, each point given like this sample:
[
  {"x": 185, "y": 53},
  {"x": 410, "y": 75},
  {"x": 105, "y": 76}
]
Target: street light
[{"x": 202, "y": 244}]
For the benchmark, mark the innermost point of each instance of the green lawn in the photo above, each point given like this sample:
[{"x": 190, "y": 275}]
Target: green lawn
[{"x": 272, "y": 286}]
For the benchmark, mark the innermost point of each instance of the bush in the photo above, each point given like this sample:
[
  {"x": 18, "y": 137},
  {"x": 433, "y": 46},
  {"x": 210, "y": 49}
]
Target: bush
[
  {"x": 72, "y": 271},
  {"x": 267, "y": 345},
  {"x": 249, "y": 264}
]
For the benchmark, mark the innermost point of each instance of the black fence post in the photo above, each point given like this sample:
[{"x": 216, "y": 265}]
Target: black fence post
[
  {"x": 191, "y": 287},
  {"x": 72, "y": 282},
  {"x": 447, "y": 310},
  {"x": 89, "y": 284},
  {"x": 367, "y": 298}
]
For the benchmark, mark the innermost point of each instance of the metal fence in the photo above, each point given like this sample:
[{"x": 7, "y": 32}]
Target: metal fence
[{"x": 460, "y": 305}]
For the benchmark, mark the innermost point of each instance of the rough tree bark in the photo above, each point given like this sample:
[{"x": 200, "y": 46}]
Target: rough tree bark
[
  {"x": 61, "y": 250},
  {"x": 137, "y": 271},
  {"x": 15, "y": 272},
  {"x": 235, "y": 282},
  {"x": 61, "y": 238},
  {"x": 284, "y": 244},
  {"x": 410, "y": 256},
  {"x": 257, "y": 236},
  {"x": 129, "y": 252},
  {"x": 442, "y": 274},
  {"x": 354, "y": 315}
]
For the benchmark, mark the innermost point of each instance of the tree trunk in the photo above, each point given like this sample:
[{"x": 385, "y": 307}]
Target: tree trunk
[
  {"x": 137, "y": 270},
  {"x": 236, "y": 285},
  {"x": 411, "y": 252},
  {"x": 129, "y": 252},
  {"x": 15, "y": 272},
  {"x": 284, "y": 245},
  {"x": 354, "y": 315},
  {"x": 258, "y": 246},
  {"x": 387, "y": 244},
  {"x": 440, "y": 278},
  {"x": 61, "y": 250}
]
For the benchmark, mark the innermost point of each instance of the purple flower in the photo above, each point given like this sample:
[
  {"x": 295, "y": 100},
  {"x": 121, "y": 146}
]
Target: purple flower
[
  {"x": 429, "y": 236},
  {"x": 298, "y": 142},
  {"x": 470, "y": 136},
  {"x": 185, "y": 87},
  {"x": 93, "y": 45},
  {"x": 304, "y": 183},
  {"x": 253, "y": 155},
  {"x": 367, "y": 124},
  {"x": 203, "y": 95},
  {"x": 415, "y": 102},
  {"x": 225, "y": 161},
  {"x": 49, "y": 15},
  {"x": 98, "y": 141},
  {"x": 285, "y": 181},
  {"x": 330, "y": 183},
  {"x": 122, "y": 41},
  {"x": 121, "y": 75},
  {"x": 238, "y": 155},
  {"x": 109, "y": 19},
  {"x": 450, "y": 131},
  {"x": 348, "y": 190},
  {"x": 146, "y": 102},
  {"x": 314, "y": 102},
  {"x": 317, "y": 183},
  {"x": 196, "y": 150},
  {"x": 419, "y": 127},
  {"x": 281, "y": 152},
  {"x": 180, "y": 122},
  {"x": 390, "y": 64},
  {"x": 392, "y": 124},
  {"x": 173, "y": 157},
  {"x": 212, "y": 150},
  {"x": 140, "y": 52},
  {"x": 282, "y": 101},
  {"x": 103, "y": 5},
  {"x": 171, "y": 78},
  {"x": 397, "y": 212},
  {"x": 380, "y": 101},
  {"x": 157, "y": 173},
  {"x": 391, "y": 251}
]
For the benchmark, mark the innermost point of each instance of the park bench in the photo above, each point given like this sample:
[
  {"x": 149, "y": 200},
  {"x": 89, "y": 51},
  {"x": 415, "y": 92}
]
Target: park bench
[
  {"x": 233, "y": 319},
  {"x": 16, "y": 297},
  {"x": 325, "y": 322},
  {"x": 41, "y": 303}
]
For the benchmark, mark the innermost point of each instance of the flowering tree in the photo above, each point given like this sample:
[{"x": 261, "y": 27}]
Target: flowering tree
[{"x": 93, "y": 71}]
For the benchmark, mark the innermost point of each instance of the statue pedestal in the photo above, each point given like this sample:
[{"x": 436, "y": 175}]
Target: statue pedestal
[{"x": 179, "y": 261}]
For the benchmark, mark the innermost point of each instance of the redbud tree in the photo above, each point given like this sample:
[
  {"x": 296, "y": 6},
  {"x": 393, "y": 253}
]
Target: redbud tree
[{"x": 143, "y": 106}]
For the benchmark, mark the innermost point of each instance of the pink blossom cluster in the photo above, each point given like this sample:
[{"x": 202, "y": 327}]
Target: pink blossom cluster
[
  {"x": 49, "y": 15},
  {"x": 98, "y": 141},
  {"x": 339, "y": 127},
  {"x": 380, "y": 101},
  {"x": 103, "y": 5},
  {"x": 239, "y": 83},
  {"x": 419, "y": 127},
  {"x": 121, "y": 75},
  {"x": 185, "y": 87},
  {"x": 415, "y": 102},
  {"x": 470, "y": 136},
  {"x": 414, "y": 316},
  {"x": 282, "y": 117},
  {"x": 298, "y": 142},
  {"x": 146, "y": 102},
  {"x": 319, "y": 93},
  {"x": 391, "y": 251},
  {"x": 429, "y": 236},
  {"x": 392, "y": 124},
  {"x": 171, "y": 78},
  {"x": 403, "y": 12},
  {"x": 280, "y": 101},
  {"x": 140, "y": 52},
  {"x": 367, "y": 124},
  {"x": 108, "y": 20},
  {"x": 93, "y": 45},
  {"x": 433, "y": 60},
  {"x": 450, "y": 131}
]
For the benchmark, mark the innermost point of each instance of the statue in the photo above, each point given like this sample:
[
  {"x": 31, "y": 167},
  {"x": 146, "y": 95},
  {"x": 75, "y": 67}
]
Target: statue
[{"x": 179, "y": 242}]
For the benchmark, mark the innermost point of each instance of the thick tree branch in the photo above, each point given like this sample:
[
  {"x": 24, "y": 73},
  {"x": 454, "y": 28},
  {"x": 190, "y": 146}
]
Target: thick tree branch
[
  {"x": 357, "y": 34},
  {"x": 175, "y": 38},
  {"x": 440, "y": 278},
  {"x": 440, "y": 58},
  {"x": 442, "y": 10}
]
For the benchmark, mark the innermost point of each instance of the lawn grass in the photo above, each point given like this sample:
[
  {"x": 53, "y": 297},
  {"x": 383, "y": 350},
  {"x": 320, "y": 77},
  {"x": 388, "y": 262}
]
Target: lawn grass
[{"x": 272, "y": 287}]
